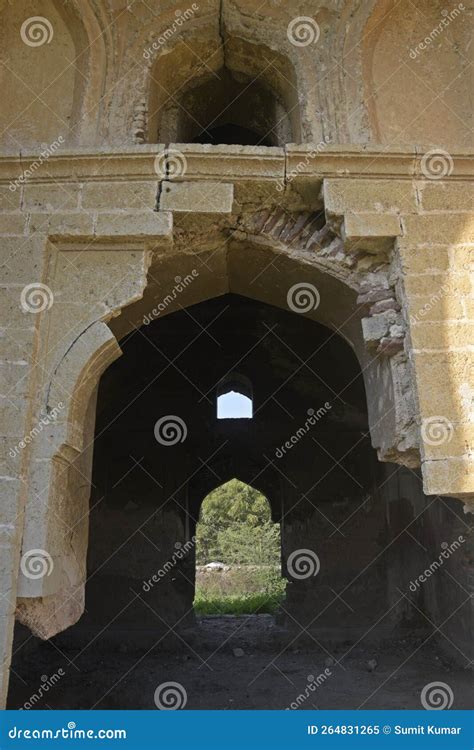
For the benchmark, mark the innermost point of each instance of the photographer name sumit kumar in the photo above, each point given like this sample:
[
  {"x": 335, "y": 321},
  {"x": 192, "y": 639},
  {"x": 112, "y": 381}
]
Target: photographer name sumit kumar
[{"x": 430, "y": 729}]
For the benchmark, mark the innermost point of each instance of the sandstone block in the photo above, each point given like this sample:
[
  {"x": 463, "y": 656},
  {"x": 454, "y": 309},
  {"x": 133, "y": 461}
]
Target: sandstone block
[
  {"x": 149, "y": 223},
  {"x": 120, "y": 195},
  {"x": 12, "y": 224},
  {"x": 371, "y": 225},
  {"x": 341, "y": 196},
  {"x": 440, "y": 229},
  {"x": 51, "y": 197},
  {"x": 198, "y": 197},
  {"x": 445, "y": 196},
  {"x": 449, "y": 476},
  {"x": 10, "y": 200}
]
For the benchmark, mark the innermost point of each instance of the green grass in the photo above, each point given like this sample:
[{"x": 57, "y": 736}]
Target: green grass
[
  {"x": 237, "y": 604},
  {"x": 239, "y": 590}
]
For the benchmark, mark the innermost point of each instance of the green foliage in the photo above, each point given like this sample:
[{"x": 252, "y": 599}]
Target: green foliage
[
  {"x": 236, "y": 529},
  {"x": 240, "y": 507},
  {"x": 245, "y": 604},
  {"x": 241, "y": 544}
]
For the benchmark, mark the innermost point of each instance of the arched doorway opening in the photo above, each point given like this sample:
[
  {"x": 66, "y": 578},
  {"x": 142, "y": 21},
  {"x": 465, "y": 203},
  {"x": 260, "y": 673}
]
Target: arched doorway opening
[
  {"x": 238, "y": 553},
  {"x": 161, "y": 448}
]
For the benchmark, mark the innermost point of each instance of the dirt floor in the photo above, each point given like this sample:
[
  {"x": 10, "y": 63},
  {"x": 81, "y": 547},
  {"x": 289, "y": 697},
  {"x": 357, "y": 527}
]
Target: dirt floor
[{"x": 269, "y": 670}]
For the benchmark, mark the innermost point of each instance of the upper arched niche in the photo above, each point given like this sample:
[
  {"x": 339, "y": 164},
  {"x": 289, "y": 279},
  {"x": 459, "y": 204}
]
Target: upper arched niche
[
  {"x": 239, "y": 93},
  {"x": 417, "y": 86},
  {"x": 43, "y": 74}
]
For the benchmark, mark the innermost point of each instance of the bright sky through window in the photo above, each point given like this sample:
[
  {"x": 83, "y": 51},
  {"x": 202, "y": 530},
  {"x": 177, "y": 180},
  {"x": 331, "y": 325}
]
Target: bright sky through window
[{"x": 234, "y": 405}]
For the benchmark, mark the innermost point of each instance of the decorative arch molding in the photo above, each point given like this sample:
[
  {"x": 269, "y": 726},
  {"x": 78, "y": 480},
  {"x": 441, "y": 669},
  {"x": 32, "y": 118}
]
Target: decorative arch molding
[
  {"x": 202, "y": 43},
  {"x": 95, "y": 349},
  {"x": 90, "y": 34},
  {"x": 56, "y": 520},
  {"x": 205, "y": 43},
  {"x": 44, "y": 604},
  {"x": 349, "y": 41}
]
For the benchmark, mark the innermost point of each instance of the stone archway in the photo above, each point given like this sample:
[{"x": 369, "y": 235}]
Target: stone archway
[
  {"x": 129, "y": 264},
  {"x": 53, "y": 602}
]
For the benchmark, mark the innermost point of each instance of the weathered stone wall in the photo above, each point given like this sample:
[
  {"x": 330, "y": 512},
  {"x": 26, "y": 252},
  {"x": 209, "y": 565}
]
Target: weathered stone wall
[
  {"x": 349, "y": 75},
  {"x": 429, "y": 562},
  {"x": 381, "y": 229}
]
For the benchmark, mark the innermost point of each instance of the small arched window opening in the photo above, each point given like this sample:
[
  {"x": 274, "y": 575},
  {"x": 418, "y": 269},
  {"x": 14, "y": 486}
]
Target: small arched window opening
[
  {"x": 235, "y": 398},
  {"x": 246, "y": 97}
]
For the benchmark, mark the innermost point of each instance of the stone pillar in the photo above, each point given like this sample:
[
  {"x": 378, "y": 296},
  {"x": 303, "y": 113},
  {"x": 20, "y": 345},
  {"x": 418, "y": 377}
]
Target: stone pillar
[
  {"x": 24, "y": 304},
  {"x": 437, "y": 262}
]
